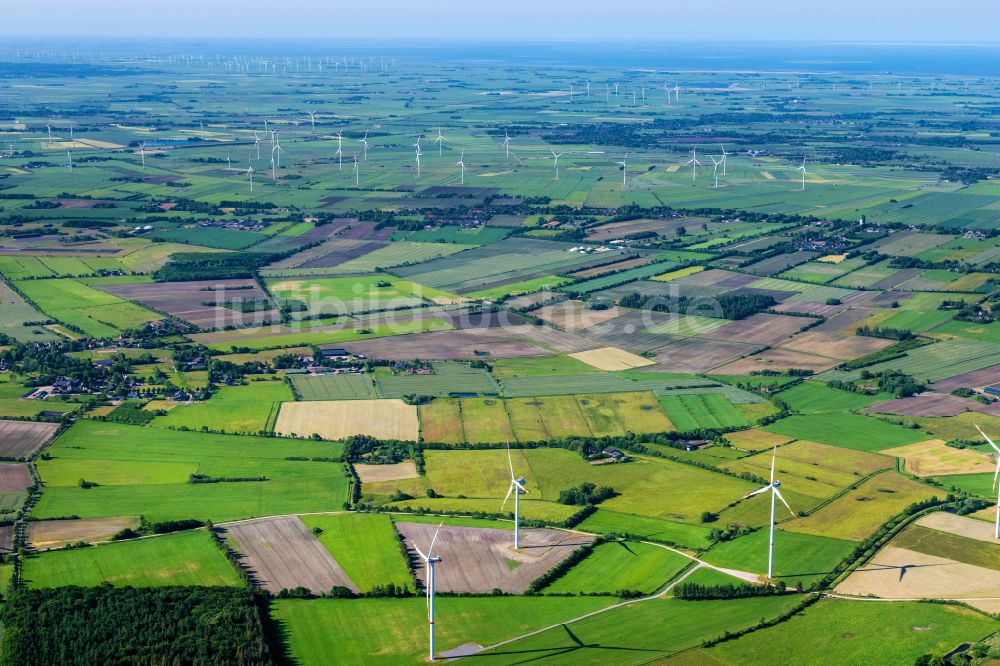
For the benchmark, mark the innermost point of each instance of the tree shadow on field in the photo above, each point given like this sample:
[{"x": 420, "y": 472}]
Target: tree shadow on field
[
  {"x": 574, "y": 645},
  {"x": 275, "y": 634}
]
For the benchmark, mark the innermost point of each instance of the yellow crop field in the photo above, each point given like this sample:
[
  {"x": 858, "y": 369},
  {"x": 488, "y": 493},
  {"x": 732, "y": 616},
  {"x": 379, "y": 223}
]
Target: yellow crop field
[
  {"x": 611, "y": 359},
  {"x": 673, "y": 275},
  {"x": 337, "y": 419},
  {"x": 934, "y": 457}
]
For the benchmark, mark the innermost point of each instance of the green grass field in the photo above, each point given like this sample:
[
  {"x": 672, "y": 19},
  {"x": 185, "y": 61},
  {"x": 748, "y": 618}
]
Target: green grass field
[
  {"x": 365, "y": 293},
  {"x": 798, "y": 558},
  {"x": 94, "y": 312},
  {"x": 691, "y": 412},
  {"x": 365, "y": 546},
  {"x": 817, "y": 398},
  {"x": 603, "y": 521},
  {"x": 185, "y": 558},
  {"x": 249, "y": 408},
  {"x": 839, "y": 632},
  {"x": 640, "y": 633},
  {"x": 144, "y": 471},
  {"x": 395, "y": 630},
  {"x": 852, "y": 431},
  {"x": 621, "y": 565}
]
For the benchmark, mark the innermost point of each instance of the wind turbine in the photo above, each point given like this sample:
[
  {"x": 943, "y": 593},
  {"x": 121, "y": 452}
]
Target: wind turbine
[
  {"x": 461, "y": 163},
  {"x": 996, "y": 475},
  {"x": 725, "y": 158},
  {"x": 802, "y": 168},
  {"x": 49, "y": 128},
  {"x": 364, "y": 144},
  {"x": 417, "y": 146},
  {"x": 340, "y": 151},
  {"x": 69, "y": 155},
  {"x": 439, "y": 141},
  {"x": 554, "y": 155},
  {"x": 250, "y": 174},
  {"x": 256, "y": 143},
  {"x": 516, "y": 487},
  {"x": 677, "y": 93},
  {"x": 430, "y": 562},
  {"x": 694, "y": 163},
  {"x": 142, "y": 153},
  {"x": 716, "y": 169},
  {"x": 607, "y": 92},
  {"x": 357, "y": 172},
  {"x": 775, "y": 493},
  {"x": 624, "y": 171},
  {"x": 312, "y": 117},
  {"x": 506, "y": 143}
]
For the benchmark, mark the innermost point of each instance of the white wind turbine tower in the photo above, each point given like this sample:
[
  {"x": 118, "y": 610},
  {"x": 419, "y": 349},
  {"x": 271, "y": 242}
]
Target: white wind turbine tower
[
  {"x": 364, "y": 145},
  {"x": 622, "y": 164},
  {"x": 616, "y": 90},
  {"x": 49, "y": 128},
  {"x": 725, "y": 158},
  {"x": 430, "y": 562},
  {"x": 357, "y": 172},
  {"x": 715, "y": 164},
  {"x": 312, "y": 118},
  {"x": 439, "y": 141},
  {"x": 506, "y": 143},
  {"x": 556, "y": 157},
  {"x": 677, "y": 93},
  {"x": 250, "y": 174},
  {"x": 996, "y": 475},
  {"x": 607, "y": 92},
  {"x": 694, "y": 163},
  {"x": 516, "y": 487},
  {"x": 340, "y": 151},
  {"x": 775, "y": 494},
  {"x": 571, "y": 91},
  {"x": 588, "y": 89},
  {"x": 142, "y": 153},
  {"x": 256, "y": 143},
  {"x": 802, "y": 168},
  {"x": 418, "y": 153},
  {"x": 461, "y": 163}
]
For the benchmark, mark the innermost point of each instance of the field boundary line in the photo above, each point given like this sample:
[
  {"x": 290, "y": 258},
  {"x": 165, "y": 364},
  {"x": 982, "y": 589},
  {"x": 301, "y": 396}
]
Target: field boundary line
[{"x": 843, "y": 492}]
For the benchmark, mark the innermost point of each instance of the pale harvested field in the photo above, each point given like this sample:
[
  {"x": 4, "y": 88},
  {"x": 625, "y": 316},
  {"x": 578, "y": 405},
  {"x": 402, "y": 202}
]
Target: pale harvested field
[
  {"x": 611, "y": 359},
  {"x": 481, "y": 559},
  {"x": 835, "y": 345},
  {"x": 897, "y": 573},
  {"x": 698, "y": 355},
  {"x": 573, "y": 315},
  {"x": 934, "y": 457},
  {"x": 337, "y": 419},
  {"x": 378, "y": 473},
  {"x": 777, "y": 359},
  {"x": 283, "y": 554},
  {"x": 756, "y": 440},
  {"x": 44, "y": 534},
  {"x": 969, "y": 528},
  {"x": 19, "y": 439}
]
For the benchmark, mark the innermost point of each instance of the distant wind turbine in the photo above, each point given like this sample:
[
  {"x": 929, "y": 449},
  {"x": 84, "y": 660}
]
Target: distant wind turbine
[
  {"x": 340, "y": 151},
  {"x": 802, "y": 168},
  {"x": 715, "y": 165},
  {"x": 312, "y": 118},
  {"x": 430, "y": 562},
  {"x": 506, "y": 143},
  {"x": 694, "y": 163},
  {"x": 439, "y": 141},
  {"x": 624, "y": 170},
  {"x": 996, "y": 476},
  {"x": 142, "y": 153},
  {"x": 775, "y": 494},
  {"x": 461, "y": 163},
  {"x": 357, "y": 172},
  {"x": 364, "y": 145},
  {"x": 725, "y": 158},
  {"x": 518, "y": 489},
  {"x": 556, "y": 157},
  {"x": 250, "y": 174},
  {"x": 418, "y": 153}
]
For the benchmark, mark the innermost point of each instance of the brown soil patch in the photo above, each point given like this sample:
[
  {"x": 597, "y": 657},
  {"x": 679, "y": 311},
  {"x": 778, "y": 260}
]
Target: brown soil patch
[
  {"x": 14, "y": 478},
  {"x": 928, "y": 404},
  {"x": 574, "y": 315},
  {"x": 378, "y": 473},
  {"x": 481, "y": 559},
  {"x": 778, "y": 360},
  {"x": 283, "y": 554},
  {"x": 842, "y": 347},
  {"x": 43, "y": 534},
  {"x": 761, "y": 328}
]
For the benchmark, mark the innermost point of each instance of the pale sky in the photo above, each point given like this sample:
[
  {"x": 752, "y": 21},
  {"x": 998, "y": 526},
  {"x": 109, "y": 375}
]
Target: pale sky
[{"x": 556, "y": 20}]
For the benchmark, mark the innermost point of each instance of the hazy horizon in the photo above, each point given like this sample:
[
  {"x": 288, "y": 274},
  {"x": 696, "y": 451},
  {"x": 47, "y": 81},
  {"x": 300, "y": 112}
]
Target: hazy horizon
[{"x": 848, "y": 21}]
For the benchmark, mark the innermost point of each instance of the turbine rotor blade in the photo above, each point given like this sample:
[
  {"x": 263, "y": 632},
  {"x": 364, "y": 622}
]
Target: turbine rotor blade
[
  {"x": 986, "y": 437},
  {"x": 509, "y": 491},
  {"x": 774, "y": 456},
  {"x": 510, "y": 462},
  {"x": 778, "y": 493},
  {"x": 430, "y": 551},
  {"x": 757, "y": 492}
]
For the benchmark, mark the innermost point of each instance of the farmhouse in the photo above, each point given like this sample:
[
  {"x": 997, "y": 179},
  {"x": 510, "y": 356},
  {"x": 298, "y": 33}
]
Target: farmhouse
[{"x": 614, "y": 453}]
